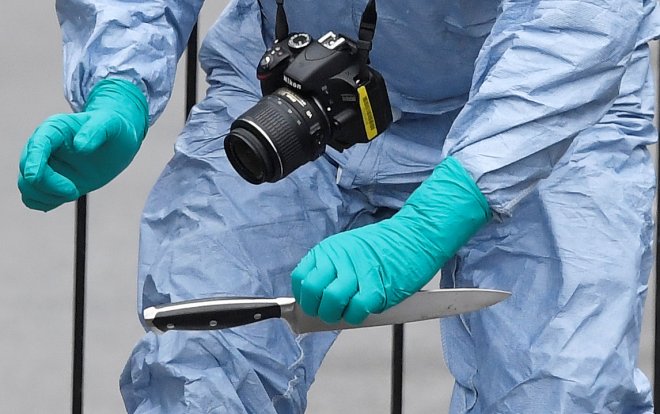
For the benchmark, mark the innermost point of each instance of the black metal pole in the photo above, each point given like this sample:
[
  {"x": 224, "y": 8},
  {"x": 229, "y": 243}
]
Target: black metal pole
[
  {"x": 191, "y": 71},
  {"x": 656, "y": 356},
  {"x": 397, "y": 369},
  {"x": 79, "y": 306}
]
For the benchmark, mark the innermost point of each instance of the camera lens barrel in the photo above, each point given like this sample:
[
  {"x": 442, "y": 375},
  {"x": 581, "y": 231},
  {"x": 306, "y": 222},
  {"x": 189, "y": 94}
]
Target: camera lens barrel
[{"x": 279, "y": 134}]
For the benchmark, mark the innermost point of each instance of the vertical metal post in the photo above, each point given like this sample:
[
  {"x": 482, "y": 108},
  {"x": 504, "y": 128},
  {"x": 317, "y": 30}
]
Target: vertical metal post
[
  {"x": 79, "y": 306},
  {"x": 656, "y": 356},
  {"x": 397, "y": 369},
  {"x": 191, "y": 71},
  {"x": 656, "y": 353}
]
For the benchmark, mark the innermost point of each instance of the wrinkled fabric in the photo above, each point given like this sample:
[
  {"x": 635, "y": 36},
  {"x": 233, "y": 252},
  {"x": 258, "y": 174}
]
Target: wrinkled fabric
[
  {"x": 139, "y": 41},
  {"x": 547, "y": 104}
]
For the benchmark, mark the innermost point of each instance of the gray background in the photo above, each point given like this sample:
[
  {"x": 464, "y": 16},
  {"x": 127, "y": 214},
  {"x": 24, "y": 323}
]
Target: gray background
[{"x": 37, "y": 260}]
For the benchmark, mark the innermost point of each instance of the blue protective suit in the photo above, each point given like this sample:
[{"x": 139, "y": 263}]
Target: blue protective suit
[{"x": 548, "y": 104}]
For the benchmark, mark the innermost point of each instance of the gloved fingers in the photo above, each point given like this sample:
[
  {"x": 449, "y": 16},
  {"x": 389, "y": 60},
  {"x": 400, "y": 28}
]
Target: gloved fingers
[
  {"x": 360, "y": 307},
  {"x": 96, "y": 132},
  {"x": 40, "y": 200},
  {"x": 52, "y": 135},
  {"x": 39, "y": 178},
  {"x": 370, "y": 297},
  {"x": 313, "y": 285},
  {"x": 306, "y": 264},
  {"x": 45, "y": 140},
  {"x": 339, "y": 292}
]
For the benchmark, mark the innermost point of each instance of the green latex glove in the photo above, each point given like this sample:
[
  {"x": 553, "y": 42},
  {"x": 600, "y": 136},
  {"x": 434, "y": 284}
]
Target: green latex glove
[
  {"x": 70, "y": 155},
  {"x": 372, "y": 268}
]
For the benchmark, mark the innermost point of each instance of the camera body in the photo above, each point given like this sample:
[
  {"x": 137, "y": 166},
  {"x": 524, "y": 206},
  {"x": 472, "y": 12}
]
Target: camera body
[
  {"x": 315, "y": 93},
  {"x": 329, "y": 71}
]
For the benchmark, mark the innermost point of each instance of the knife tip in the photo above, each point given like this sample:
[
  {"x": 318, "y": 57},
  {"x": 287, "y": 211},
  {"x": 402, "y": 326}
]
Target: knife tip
[{"x": 500, "y": 295}]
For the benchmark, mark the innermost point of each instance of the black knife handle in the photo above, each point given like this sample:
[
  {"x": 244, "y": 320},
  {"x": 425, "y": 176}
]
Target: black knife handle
[{"x": 180, "y": 316}]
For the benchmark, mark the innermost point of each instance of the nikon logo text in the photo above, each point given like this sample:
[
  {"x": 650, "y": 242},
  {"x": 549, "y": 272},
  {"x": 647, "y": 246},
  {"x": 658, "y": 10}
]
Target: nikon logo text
[{"x": 291, "y": 83}]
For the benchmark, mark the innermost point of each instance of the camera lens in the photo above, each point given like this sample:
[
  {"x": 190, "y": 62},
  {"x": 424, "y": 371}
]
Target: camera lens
[
  {"x": 248, "y": 156},
  {"x": 277, "y": 135}
]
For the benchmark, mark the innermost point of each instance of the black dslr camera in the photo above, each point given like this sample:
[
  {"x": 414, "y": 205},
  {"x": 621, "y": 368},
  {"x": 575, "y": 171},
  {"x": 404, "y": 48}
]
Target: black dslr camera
[{"x": 315, "y": 93}]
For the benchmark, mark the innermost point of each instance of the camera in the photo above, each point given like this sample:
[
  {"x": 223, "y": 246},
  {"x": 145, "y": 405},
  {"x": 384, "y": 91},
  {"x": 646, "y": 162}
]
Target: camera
[{"x": 315, "y": 93}]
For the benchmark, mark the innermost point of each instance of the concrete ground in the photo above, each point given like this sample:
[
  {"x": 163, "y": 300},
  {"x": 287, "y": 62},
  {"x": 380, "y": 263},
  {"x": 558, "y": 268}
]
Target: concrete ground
[{"x": 37, "y": 255}]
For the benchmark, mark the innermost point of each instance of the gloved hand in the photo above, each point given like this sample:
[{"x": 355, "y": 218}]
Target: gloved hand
[
  {"x": 70, "y": 155},
  {"x": 372, "y": 268}
]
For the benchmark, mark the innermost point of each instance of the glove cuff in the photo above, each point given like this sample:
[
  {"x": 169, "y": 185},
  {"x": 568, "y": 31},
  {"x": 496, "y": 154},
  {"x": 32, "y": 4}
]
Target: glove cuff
[
  {"x": 449, "y": 206},
  {"x": 125, "y": 98}
]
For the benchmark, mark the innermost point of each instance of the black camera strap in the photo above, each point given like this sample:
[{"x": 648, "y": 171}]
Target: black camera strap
[
  {"x": 281, "y": 24},
  {"x": 366, "y": 32}
]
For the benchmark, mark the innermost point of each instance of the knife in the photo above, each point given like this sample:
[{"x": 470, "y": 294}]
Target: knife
[{"x": 228, "y": 312}]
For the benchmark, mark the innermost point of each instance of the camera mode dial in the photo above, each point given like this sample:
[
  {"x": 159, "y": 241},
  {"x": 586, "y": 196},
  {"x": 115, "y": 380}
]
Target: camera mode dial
[{"x": 299, "y": 41}]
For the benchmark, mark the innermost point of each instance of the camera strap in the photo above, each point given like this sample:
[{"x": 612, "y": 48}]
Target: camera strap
[
  {"x": 281, "y": 24},
  {"x": 366, "y": 32}
]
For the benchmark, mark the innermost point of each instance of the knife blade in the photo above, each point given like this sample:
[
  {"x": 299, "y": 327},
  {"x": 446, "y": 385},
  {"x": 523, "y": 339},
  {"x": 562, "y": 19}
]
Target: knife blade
[{"x": 227, "y": 312}]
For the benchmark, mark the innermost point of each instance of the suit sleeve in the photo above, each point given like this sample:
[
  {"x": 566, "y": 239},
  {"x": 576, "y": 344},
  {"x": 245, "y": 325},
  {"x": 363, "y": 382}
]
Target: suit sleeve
[
  {"x": 139, "y": 41},
  {"x": 548, "y": 70}
]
